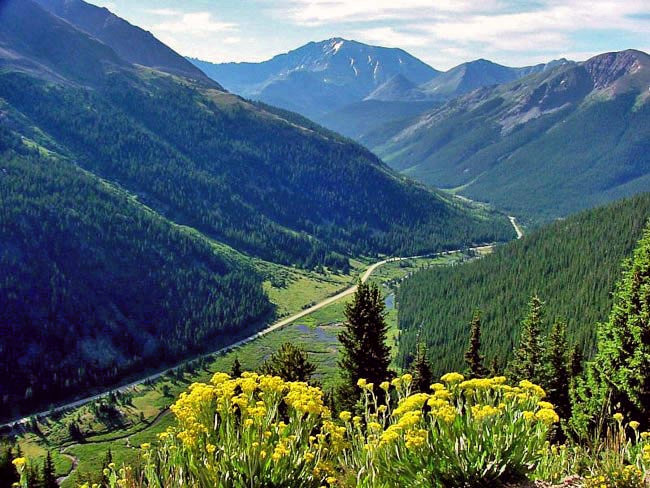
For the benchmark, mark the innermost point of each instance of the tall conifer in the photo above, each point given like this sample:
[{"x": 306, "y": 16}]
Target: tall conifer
[
  {"x": 365, "y": 353},
  {"x": 49, "y": 478},
  {"x": 558, "y": 379},
  {"x": 421, "y": 369},
  {"x": 527, "y": 362},
  {"x": 473, "y": 356},
  {"x": 618, "y": 378}
]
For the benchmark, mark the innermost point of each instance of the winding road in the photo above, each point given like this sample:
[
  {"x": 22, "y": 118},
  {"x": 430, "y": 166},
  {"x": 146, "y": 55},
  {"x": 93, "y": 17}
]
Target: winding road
[
  {"x": 273, "y": 327},
  {"x": 277, "y": 325}
]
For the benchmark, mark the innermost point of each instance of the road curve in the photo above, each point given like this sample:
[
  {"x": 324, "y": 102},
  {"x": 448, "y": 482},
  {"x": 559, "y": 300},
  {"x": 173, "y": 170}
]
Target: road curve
[{"x": 278, "y": 325}]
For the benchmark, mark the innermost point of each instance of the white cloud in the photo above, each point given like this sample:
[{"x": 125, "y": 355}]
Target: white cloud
[
  {"x": 390, "y": 37},
  {"x": 319, "y": 12},
  {"x": 164, "y": 12},
  {"x": 195, "y": 23}
]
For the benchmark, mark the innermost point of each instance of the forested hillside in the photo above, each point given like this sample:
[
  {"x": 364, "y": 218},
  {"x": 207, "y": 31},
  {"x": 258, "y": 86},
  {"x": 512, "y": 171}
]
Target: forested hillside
[
  {"x": 249, "y": 176},
  {"x": 94, "y": 285},
  {"x": 104, "y": 161},
  {"x": 572, "y": 264}
]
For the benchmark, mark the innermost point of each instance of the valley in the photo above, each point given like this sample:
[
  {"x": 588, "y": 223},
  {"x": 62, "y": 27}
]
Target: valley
[
  {"x": 230, "y": 262},
  {"x": 143, "y": 405}
]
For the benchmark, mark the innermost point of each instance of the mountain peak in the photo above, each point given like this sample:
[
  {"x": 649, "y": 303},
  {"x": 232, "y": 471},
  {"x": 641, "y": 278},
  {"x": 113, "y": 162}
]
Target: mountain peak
[
  {"x": 396, "y": 88},
  {"x": 131, "y": 43},
  {"x": 320, "y": 77},
  {"x": 611, "y": 68}
]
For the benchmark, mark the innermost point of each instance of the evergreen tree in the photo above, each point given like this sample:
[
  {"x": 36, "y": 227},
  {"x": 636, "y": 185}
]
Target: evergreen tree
[
  {"x": 618, "y": 378},
  {"x": 527, "y": 362},
  {"x": 31, "y": 474},
  {"x": 575, "y": 362},
  {"x": 421, "y": 369},
  {"x": 495, "y": 368},
  {"x": 289, "y": 363},
  {"x": 365, "y": 354},
  {"x": 49, "y": 478},
  {"x": 473, "y": 356},
  {"x": 557, "y": 382},
  {"x": 236, "y": 370},
  {"x": 8, "y": 473}
]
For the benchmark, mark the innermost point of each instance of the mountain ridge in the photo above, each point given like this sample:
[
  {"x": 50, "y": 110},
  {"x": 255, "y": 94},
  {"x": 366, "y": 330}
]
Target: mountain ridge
[
  {"x": 518, "y": 136},
  {"x": 131, "y": 43},
  {"x": 345, "y": 70}
]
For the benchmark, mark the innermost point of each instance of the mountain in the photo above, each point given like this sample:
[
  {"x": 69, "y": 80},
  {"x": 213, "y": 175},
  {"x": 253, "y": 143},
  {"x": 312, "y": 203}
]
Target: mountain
[
  {"x": 328, "y": 81},
  {"x": 129, "y": 42},
  {"x": 121, "y": 184},
  {"x": 398, "y": 88},
  {"x": 320, "y": 76},
  {"x": 467, "y": 77},
  {"x": 571, "y": 264},
  {"x": 570, "y": 137},
  {"x": 360, "y": 119}
]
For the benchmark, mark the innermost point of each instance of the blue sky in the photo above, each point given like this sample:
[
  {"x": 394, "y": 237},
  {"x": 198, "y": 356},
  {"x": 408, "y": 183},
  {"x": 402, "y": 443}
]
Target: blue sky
[{"x": 443, "y": 33}]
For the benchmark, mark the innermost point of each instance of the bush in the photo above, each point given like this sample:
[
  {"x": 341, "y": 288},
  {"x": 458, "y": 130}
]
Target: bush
[
  {"x": 466, "y": 433},
  {"x": 262, "y": 431}
]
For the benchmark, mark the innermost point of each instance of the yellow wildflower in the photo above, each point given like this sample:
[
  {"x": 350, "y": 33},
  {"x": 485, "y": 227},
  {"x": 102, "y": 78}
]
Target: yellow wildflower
[{"x": 452, "y": 378}]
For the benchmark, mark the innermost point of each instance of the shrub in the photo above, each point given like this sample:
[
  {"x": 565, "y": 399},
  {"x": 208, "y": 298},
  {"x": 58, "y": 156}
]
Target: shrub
[
  {"x": 465, "y": 433},
  {"x": 263, "y": 431}
]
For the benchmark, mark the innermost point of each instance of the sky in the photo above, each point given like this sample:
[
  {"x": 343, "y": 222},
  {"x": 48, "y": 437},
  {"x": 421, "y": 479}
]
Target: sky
[{"x": 442, "y": 33}]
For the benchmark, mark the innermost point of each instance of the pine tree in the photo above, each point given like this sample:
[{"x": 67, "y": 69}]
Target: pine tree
[
  {"x": 473, "y": 356},
  {"x": 31, "y": 474},
  {"x": 421, "y": 369},
  {"x": 365, "y": 354},
  {"x": 618, "y": 378},
  {"x": 557, "y": 382},
  {"x": 8, "y": 473},
  {"x": 289, "y": 363},
  {"x": 49, "y": 478},
  {"x": 527, "y": 362},
  {"x": 575, "y": 362},
  {"x": 495, "y": 368},
  {"x": 236, "y": 370}
]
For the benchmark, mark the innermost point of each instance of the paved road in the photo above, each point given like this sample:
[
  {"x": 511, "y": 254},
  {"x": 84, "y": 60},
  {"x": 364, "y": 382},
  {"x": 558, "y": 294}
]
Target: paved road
[
  {"x": 278, "y": 325},
  {"x": 271, "y": 328},
  {"x": 513, "y": 221}
]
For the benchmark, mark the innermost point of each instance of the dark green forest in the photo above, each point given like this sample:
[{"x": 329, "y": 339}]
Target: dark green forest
[
  {"x": 94, "y": 286},
  {"x": 572, "y": 265},
  {"x": 242, "y": 175}
]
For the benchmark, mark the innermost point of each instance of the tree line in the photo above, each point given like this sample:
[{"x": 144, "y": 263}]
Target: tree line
[{"x": 572, "y": 265}]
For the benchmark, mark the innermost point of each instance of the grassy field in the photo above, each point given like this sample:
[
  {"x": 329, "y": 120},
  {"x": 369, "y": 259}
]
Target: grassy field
[{"x": 144, "y": 412}]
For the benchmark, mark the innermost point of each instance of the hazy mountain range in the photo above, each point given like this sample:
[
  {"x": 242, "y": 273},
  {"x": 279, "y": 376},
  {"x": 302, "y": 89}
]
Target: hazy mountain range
[
  {"x": 567, "y": 138},
  {"x": 322, "y": 78}
]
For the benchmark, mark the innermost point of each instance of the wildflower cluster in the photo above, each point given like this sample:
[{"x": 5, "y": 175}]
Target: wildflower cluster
[
  {"x": 259, "y": 430},
  {"x": 620, "y": 458},
  {"x": 462, "y": 430},
  {"x": 254, "y": 430}
]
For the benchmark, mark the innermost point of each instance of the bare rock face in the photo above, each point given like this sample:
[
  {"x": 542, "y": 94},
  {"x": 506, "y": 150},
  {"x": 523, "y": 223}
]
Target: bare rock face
[{"x": 608, "y": 68}]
